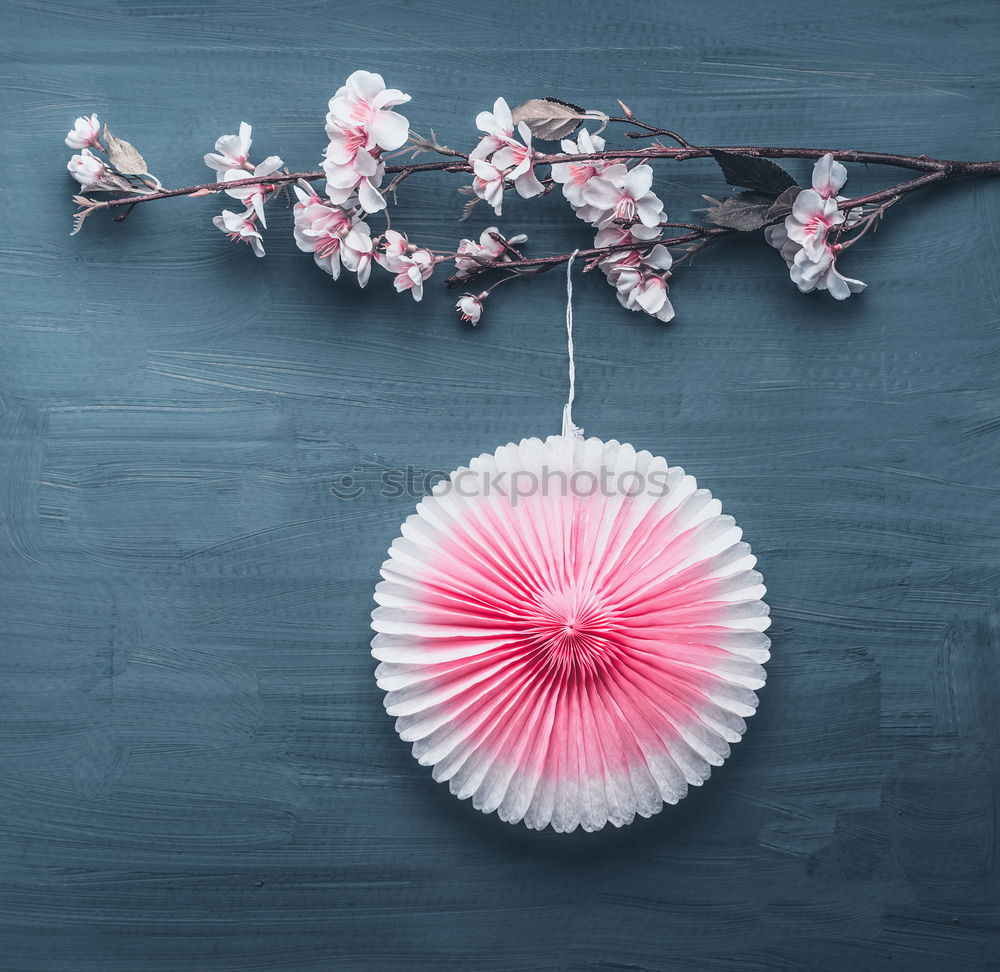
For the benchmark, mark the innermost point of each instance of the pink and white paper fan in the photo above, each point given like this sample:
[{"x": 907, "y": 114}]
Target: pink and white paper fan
[{"x": 570, "y": 632}]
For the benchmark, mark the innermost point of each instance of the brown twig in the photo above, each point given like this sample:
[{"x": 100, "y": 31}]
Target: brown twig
[
  {"x": 546, "y": 263},
  {"x": 899, "y": 190},
  {"x": 277, "y": 179},
  {"x": 941, "y": 168},
  {"x": 516, "y": 253},
  {"x": 650, "y": 130}
]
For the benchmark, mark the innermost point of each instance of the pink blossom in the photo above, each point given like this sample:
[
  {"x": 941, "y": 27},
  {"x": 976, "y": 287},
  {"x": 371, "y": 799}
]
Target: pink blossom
[
  {"x": 823, "y": 274},
  {"x": 642, "y": 290},
  {"x": 808, "y": 274},
  {"x": 488, "y": 184},
  {"x": 811, "y": 220},
  {"x": 614, "y": 235},
  {"x": 573, "y": 176},
  {"x": 343, "y": 181},
  {"x": 363, "y": 104},
  {"x": 321, "y": 228},
  {"x": 254, "y": 196},
  {"x": 815, "y": 211},
  {"x": 85, "y": 133},
  {"x": 828, "y": 177},
  {"x": 335, "y": 235},
  {"x": 87, "y": 168},
  {"x": 472, "y": 254},
  {"x": 519, "y": 162},
  {"x": 392, "y": 248},
  {"x": 358, "y": 251},
  {"x": 499, "y": 128},
  {"x": 624, "y": 195},
  {"x": 639, "y": 276},
  {"x": 803, "y": 239},
  {"x": 306, "y": 194},
  {"x": 348, "y": 147},
  {"x": 360, "y": 125},
  {"x": 470, "y": 308},
  {"x": 241, "y": 228},
  {"x": 231, "y": 151},
  {"x": 414, "y": 269}
]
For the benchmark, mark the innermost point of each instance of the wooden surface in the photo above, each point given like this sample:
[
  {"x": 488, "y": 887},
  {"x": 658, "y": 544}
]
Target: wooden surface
[{"x": 195, "y": 769}]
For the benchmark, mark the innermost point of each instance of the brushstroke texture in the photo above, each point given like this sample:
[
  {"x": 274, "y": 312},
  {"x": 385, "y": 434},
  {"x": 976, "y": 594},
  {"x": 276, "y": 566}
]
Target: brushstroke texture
[{"x": 195, "y": 768}]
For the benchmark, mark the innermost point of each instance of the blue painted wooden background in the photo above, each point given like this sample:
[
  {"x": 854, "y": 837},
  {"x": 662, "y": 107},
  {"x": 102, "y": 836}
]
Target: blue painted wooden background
[{"x": 195, "y": 769}]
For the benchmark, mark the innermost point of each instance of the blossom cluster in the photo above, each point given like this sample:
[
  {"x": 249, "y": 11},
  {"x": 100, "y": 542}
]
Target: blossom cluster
[
  {"x": 122, "y": 169},
  {"x": 361, "y": 126},
  {"x": 620, "y": 204},
  {"x": 804, "y": 238},
  {"x": 336, "y": 235},
  {"x": 105, "y": 164},
  {"x": 86, "y": 167},
  {"x": 503, "y": 156},
  {"x": 231, "y": 160},
  {"x": 491, "y": 249}
]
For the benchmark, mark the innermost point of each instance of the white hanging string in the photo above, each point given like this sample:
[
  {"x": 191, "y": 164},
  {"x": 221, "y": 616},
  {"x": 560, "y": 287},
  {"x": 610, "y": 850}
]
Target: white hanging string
[{"x": 568, "y": 427}]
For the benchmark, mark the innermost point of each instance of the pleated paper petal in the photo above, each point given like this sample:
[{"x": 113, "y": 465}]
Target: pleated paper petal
[{"x": 570, "y": 632}]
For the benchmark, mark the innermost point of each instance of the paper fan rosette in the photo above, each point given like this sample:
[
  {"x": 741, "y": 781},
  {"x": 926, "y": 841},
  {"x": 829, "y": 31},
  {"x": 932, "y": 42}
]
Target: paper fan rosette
[{"x": 570, "y": 632}]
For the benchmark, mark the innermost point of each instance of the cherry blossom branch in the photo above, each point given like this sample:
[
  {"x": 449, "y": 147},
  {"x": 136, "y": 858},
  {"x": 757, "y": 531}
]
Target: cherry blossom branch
[
  {"x": 610, "y": 189},
  {"x": 939, "y": 168}
]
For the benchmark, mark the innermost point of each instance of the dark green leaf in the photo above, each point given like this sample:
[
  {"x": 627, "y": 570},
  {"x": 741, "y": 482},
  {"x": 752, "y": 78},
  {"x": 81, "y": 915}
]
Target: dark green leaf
[
  {"x": 753, "y": 172},
  {"x": 744, "y": 212},
  {"x": 783, "y": 204}
]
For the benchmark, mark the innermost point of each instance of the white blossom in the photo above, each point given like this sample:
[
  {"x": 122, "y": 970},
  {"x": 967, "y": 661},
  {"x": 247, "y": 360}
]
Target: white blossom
[
  {"x": 364, "y": 103},
  {"x": 360, "y": 124},
  {"x": 85, "y": 133},
  {"x": 488, "y": 184},
  {"x": 87, "y": 168},
  {"x": 254, "y": 196},
  {"x": 574, "y": 176},
  {"x": 470, "y": 308},
  {"x": 343, "y": 182},
  {"x": 803, "y": 238},
  {"x": 811, "y": 220},
  {"x": 414, "y": 269},
  {"x": 518, "y": 162},
  {"x": 472, "y": 254},
  {"x": 624, "y": 195},
  {"x": 823, "y": 274},
  {"x": 231, "y": 151},
  {"x": 241, "y": 228},
  {"x": 320, "y": 228},
  {"x": 828, "y": 176},
  {"x": 358, "y": 251},
  {"x": 499, "y": 128},
  {"x": 638, "y": 276},
  {"x": 392, "y": 248}
]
